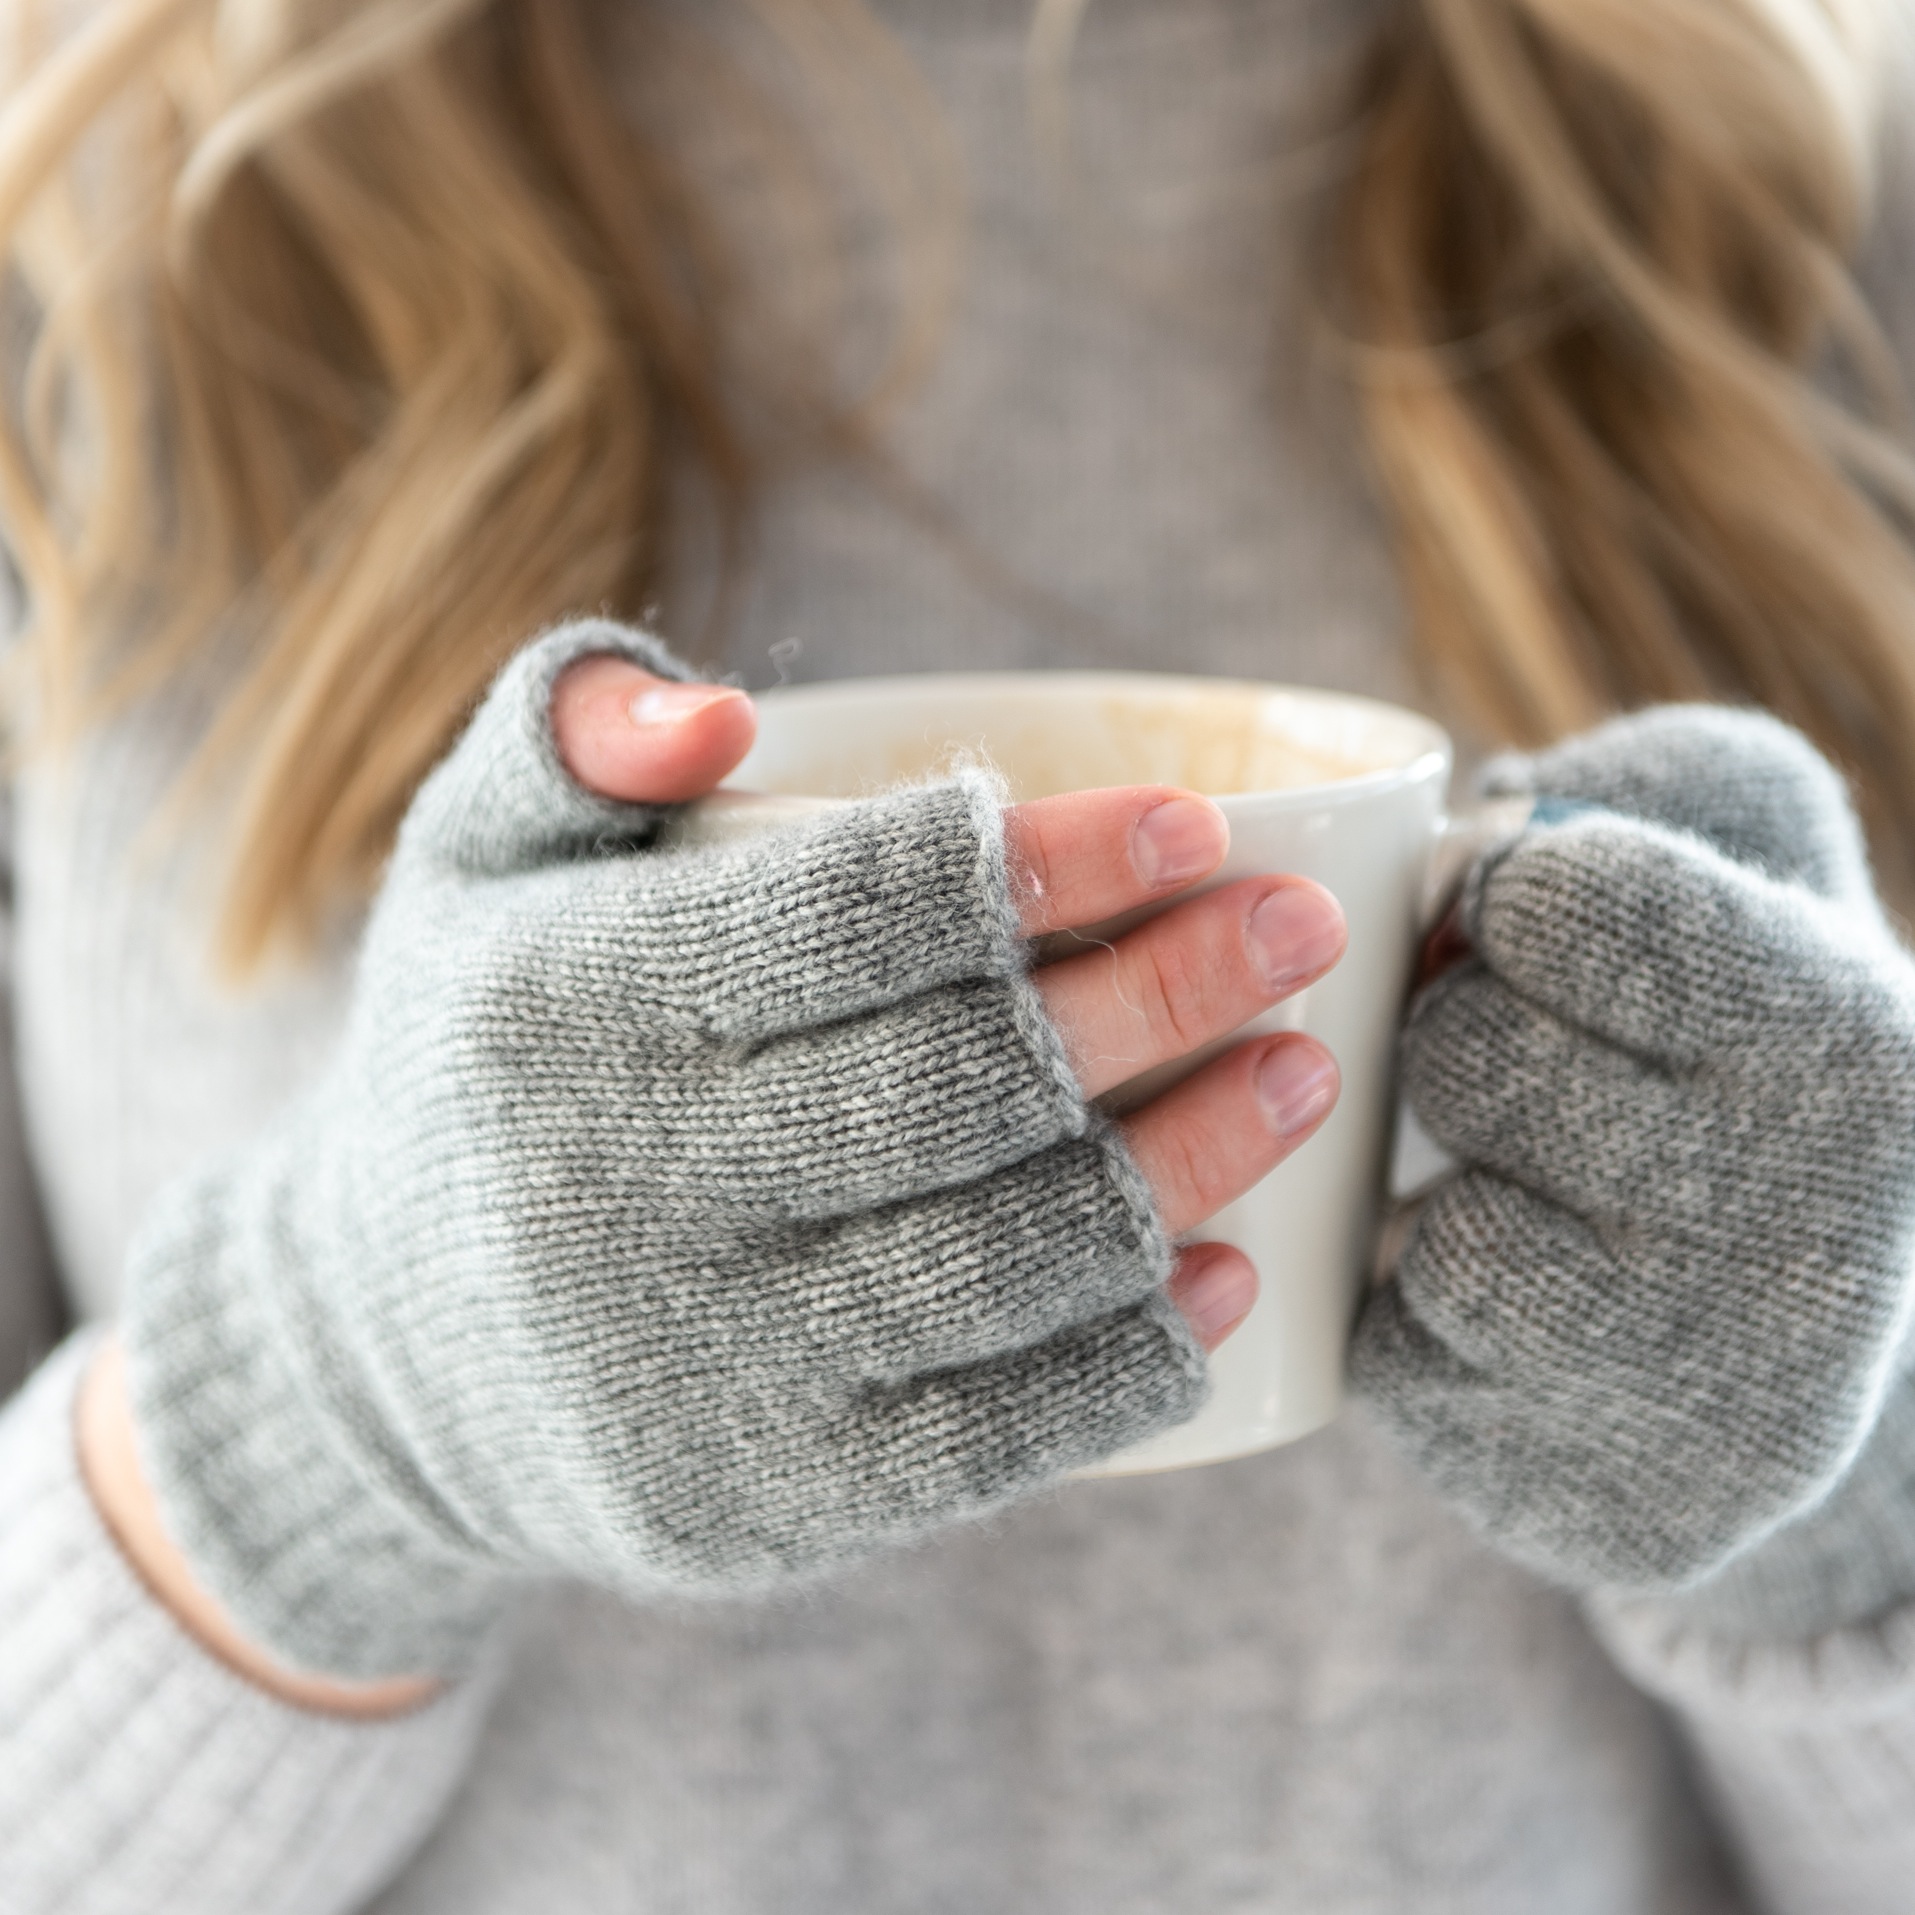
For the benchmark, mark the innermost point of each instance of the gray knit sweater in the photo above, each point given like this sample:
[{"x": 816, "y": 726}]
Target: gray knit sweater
[{"x": 1295, "y": 1683}]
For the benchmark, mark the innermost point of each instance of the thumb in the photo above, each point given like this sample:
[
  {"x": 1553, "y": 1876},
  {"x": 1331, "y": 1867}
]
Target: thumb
[
  {"x": 627, "y": 734},
  {"x": 503, "y": 800}
]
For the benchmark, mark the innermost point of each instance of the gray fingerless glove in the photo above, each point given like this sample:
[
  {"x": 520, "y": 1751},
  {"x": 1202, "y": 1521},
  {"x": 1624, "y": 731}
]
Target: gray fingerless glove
[
  {"x": 1654, "y": 1327},
  {"x": 678, "y": 1221}
]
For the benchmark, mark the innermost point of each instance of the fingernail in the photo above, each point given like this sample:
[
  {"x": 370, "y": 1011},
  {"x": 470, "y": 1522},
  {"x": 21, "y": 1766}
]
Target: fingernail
[
  {"x": 1293, "y": 934},
  {"x": 1218, "y": 1297},
  {"x": 1180, "y": 839},
  {"x": 673, "y": 704},
  {"x": 1296, "y": 1084}
]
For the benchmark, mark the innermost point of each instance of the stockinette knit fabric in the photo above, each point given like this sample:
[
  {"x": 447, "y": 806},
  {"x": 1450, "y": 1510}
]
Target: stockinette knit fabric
[
  {"x": 1661, "y": 1311},
  {"x": 676, "y": 1220}
]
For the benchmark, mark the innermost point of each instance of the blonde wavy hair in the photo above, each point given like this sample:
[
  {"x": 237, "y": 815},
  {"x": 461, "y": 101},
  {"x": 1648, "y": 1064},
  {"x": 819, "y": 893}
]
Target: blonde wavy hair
[{"x": 361, "y": 338}]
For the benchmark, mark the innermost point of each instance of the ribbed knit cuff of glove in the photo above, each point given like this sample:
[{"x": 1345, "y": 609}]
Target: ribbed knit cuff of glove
[
  {"x": 1648, "y": 1338},
  {"x": 683, "y": 1221}
]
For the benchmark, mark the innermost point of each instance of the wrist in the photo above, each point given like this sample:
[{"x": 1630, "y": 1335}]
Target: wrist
[{"x": 110, "y": 1466}]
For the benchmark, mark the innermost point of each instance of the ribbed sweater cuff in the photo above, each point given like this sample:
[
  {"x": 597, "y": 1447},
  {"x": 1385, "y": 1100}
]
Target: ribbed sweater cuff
[
  {"x": 1808, "y": 1747},
  {"x": 137, "y": 1773}
]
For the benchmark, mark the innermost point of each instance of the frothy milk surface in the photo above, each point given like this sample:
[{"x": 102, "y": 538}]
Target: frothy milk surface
[{"x": 1048, "y": 733}]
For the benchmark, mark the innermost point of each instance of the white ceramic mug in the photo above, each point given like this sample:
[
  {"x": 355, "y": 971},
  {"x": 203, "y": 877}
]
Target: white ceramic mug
[{"x": 1344, "y": 790}]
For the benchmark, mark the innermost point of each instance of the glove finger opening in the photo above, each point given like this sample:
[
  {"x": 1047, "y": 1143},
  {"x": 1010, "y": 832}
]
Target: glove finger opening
[
  {"x": 826, "y": 919},
  {"x": 916, "y": 1097},
  {"x": 502, "y": 801},
  {"x": 991, "y": 1268},
  {"x": 964, "y": 1441}
]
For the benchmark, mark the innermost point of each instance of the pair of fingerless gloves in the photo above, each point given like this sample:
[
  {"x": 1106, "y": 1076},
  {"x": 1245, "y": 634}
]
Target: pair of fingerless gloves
[{"x": 698, "y": 1221}]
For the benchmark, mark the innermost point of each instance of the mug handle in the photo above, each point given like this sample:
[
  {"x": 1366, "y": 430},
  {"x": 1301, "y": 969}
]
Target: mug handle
[{"x": 1461, "y": 840}]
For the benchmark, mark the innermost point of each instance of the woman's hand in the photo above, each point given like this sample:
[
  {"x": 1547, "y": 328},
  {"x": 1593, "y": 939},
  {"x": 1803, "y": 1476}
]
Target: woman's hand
[
  {"x": 1659, "y": 1313},
  {"x": 1192, "y": 975},
  {"x": 691, "y": 1221}
]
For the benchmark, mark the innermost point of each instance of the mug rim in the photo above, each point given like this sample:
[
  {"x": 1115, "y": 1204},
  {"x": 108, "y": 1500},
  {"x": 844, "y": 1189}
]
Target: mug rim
[{"x": 1431, "y": 752}]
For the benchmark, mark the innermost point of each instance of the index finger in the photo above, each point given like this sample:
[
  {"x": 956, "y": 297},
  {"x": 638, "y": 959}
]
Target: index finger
[{"x": 1089, "y": 855}]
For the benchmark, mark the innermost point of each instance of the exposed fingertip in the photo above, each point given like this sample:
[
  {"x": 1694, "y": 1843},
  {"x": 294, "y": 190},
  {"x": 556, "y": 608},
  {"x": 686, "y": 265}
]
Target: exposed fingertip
[
  {"x": 1177, "y": 841},
  {"x": 625, "y": 734},
  {"x": 1296, "y": 934},
  {"x": 1297, "y": 1083},
  {"x": 1215, "y": 1287}
]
